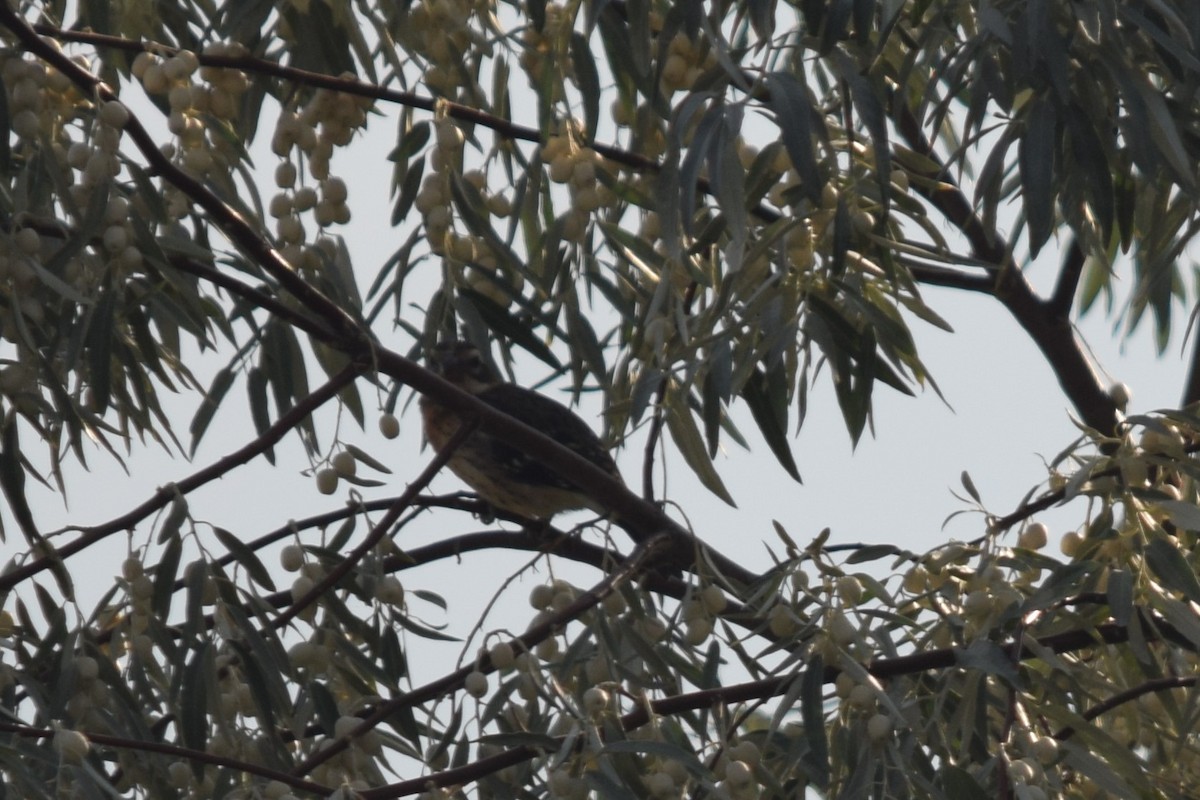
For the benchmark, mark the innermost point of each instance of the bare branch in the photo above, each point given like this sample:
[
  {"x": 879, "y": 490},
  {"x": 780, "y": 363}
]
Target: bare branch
[
  {"x": 1059, "y": 305},
  {"x": 380, "y": 530},
  {"x": 643, "y": 556},
  {"x": 168, "y": 493},
  {"x": 120, "y": 742},
  {"x": 1053, "y": 334}
]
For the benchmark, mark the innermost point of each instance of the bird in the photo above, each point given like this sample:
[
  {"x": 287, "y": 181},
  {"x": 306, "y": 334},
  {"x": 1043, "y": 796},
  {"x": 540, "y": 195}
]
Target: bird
[{"x": 501, "y": 474}]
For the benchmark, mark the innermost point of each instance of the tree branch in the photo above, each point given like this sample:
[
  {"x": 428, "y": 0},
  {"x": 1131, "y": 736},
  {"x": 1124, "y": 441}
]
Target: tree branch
[
  {"x": 350, "y": 86},
  {"x": 120, "y": 742},
  {"x": 1059, "y": 305},
  {"x": 240, "y": 232},
  {"x": 745, "y": 692},
  {"x": 643, "y": 556},
  {"x": 1053, "y": 334},
  {"x": 168, "y": 493},
  {"x": 379, "y": 531},
  {"x": 1149, "y": 687}
]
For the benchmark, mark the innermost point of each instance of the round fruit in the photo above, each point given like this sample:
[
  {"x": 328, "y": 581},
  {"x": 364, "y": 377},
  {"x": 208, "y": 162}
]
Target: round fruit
[
  {"x": 879, "y": 727},
  {"x": 327, "y": 481},
  {"x": 476, "y": 684},
  {"x": 1034, "y": 536},
  {"x": 345, "y": 464},
  {"x": 389, "y": 426}
]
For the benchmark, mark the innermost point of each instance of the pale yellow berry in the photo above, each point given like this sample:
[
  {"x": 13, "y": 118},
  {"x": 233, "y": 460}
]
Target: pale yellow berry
[
  {"x": 861, "y": 696},
  {"x": 541, "y": 596},
  {"x": 1034, "y": 536},
  {"x": 114, "y": 114},
  {"x": 285, "y": 175},
  {"x": 595, "y": 700},
  {"x": 7, "y": 624},
  {"x": 132, "y": 568},
  {"x": 850, "y": 589},
  {"x": 879, "y": 727},
  {"x": 327, "y": 481},
  {"x": 697, "y": 631},
  {"x": 291, "y": 558},
  {"x": 72, "y": 746},
  {"x": 476, "y": 684},
  {"x": 389, "y": 426},
  {"x": 334, "y": 190},
  {"x": 739, "y": 773},
  {"x": 1044, "y": 749},
  {"x": 179, "y": 772},
  {"x": 713, "y": 598},
  {"x": 28, "y": 241},
  {"x": 502, "y": 655},
  {"x": 345, "y": 464},
  {"x": 782, "y": 622},
  {"x": 390, "y": 591},
  {"x": 1071, "y": 542}
]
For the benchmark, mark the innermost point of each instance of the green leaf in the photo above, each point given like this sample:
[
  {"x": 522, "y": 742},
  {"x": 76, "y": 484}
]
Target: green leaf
[
  {"x": 1120, "y": 595},
  {"x": 177, "y": 514},
  {"x": 588, "y": 80},
  {"x": 959, "y": 784},
  {"x": 793, "y": 114},
  {"x": 193, "y": 700},
  {"x": 1064, "y": 580},
  {"x": 989, "y": 657},
  {"x": 100, "y": 332},
  {"x": 260, "y": 413},
  {"x": 1036, "y": 157},
  {"x": 771, "y": 417},
  {"x": 969, "y": 485},
  {"x": 12, "y": 474},
  {"x": 1182, "y": 617},
  {"x": 1165, "y": 560},
  {"x": 409, "y": 189},
  {"x": 688, "y": 439},
  {"x": 212, "y": 401},
  {"x": 812, "y": 710},
  {"x": 872, "y": 553},
  {"x": 246, "y": 557},
  {"x": 1184, "y": 515},
  {"x": 164, "y": 576}
]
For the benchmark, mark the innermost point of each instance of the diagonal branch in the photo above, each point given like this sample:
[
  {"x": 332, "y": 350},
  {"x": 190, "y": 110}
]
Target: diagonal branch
[
  {"x": 239, "y": 231},
  {"x": 379, "y": 531},
  {"x": 638, "y": 561},
  {"x": 168, "y": 493},
  {"x": 946, "y": 658},
  {"x": 1059, "y": 305},
  {"x": 163, "y": 748},
  {"x": 1050, "y": 331}
]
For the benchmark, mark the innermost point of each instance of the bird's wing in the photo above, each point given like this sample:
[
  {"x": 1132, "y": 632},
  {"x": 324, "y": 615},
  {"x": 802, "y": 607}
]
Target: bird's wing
[{"x": 554, "y": 420}]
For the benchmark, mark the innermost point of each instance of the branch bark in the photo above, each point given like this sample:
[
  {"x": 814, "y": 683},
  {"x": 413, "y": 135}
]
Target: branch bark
[
  {"x": 1051, "y": 331},
  {"x": 168, "y": 493}
]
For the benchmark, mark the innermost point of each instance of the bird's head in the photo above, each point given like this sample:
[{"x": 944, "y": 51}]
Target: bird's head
[{"x": 462, "y": 364}]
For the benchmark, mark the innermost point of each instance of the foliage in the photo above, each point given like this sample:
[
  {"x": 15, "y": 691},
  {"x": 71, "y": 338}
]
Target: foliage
[{"x": 692, "y": 210}]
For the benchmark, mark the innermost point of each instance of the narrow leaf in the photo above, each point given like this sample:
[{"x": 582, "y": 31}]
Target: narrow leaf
[
  {"x": 688, "y": 439},
  {"x": 1172, "y": 569}
]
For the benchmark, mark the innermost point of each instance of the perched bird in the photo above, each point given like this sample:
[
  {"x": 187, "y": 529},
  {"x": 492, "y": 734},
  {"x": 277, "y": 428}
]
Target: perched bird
[{"x": 502, "y": 474}]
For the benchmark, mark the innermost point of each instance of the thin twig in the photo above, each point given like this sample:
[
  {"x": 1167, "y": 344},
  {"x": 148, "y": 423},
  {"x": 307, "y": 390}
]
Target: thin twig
[
  {"x": 642, "y": 556},
  {"x": 199, "y": 756},
  {"x": 168, "y": 493},
  {"x": 440, "y": 459},
  {"x": 1148, "y": 687}
]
